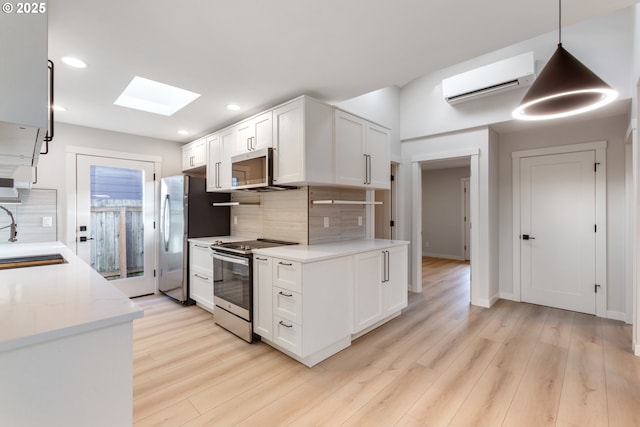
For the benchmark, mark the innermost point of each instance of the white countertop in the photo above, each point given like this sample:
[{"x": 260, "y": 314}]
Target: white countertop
[
  {"x": 39, "y": 304},
  {"x": 313, "y": 253}
]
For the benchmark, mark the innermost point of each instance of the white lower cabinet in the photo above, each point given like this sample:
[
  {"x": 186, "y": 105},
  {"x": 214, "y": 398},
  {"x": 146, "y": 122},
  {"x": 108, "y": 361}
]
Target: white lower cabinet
[
  {"x": 380, "y": 286},
  {"x": 201, "y": 275},
  {"x": 309, "y": 303},
  {"x": 262, "y": 290},
  {"x": 310, "y": 310}
]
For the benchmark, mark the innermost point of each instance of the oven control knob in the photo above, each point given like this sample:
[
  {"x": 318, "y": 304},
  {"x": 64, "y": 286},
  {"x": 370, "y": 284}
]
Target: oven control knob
[{"x": 247, "y": 247}]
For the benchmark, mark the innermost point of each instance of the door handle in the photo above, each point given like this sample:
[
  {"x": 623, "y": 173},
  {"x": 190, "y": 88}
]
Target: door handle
[{"x": 528, "y": 237}]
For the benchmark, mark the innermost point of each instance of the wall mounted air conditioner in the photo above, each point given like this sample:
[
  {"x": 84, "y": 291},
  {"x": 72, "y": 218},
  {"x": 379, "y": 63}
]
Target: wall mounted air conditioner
[{"x": 508, "y": 74}]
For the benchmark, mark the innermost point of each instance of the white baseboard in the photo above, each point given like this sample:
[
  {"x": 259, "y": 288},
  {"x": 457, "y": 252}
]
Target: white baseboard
[
  {"x": 616, "y": 315},
  {"x": 507, "y": 295}
]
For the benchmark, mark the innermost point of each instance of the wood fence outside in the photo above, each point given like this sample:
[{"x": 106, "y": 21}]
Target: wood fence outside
[{"x": 117, "y": 247}]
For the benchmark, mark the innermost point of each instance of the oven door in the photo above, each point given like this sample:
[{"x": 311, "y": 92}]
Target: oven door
[{"x": 232, "y": 283}]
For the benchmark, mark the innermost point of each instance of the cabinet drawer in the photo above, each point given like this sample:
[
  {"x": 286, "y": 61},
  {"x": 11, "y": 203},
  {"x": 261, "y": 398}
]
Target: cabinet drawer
[
  {"x": 287, "y": 304},
  {"x": 201, "y": 289},
  {"x": 201, "y": 257},
  {"x": 287, "y": 274},
  {"x": 287, "y": 334}
]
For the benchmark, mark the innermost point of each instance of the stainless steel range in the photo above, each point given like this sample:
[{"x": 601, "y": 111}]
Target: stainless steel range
[{"x": 233, "y": 284}]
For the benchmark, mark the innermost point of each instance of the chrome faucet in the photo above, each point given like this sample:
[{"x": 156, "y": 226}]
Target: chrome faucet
[{"x": 13, "y": 232}]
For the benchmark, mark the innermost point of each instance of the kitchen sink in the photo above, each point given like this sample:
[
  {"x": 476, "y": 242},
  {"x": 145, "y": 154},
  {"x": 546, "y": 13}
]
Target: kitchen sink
[{"x": 31, "y": 261}]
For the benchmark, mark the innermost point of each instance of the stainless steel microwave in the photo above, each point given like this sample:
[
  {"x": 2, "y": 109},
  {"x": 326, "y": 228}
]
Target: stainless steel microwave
[{"x": 252, "y": 170}]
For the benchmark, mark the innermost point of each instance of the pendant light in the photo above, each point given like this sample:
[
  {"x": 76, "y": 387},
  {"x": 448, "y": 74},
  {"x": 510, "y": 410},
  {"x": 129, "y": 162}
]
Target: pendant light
[{"x": 565, "y": 87}]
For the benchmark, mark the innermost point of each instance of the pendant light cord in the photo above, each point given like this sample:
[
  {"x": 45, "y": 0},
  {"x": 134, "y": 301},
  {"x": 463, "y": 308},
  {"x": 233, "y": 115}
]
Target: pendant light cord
[{"x": 559, "y": 22}]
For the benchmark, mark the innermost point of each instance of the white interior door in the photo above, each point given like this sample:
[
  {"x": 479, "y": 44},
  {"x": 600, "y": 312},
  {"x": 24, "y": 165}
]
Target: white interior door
[
  {"x": 557, "y": 235},
  {"x": 115, "y": 220}
]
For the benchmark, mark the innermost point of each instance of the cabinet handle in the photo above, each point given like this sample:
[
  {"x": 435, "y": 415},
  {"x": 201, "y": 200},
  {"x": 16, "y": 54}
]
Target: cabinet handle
[
  {"x": 285, "y": 295},
  {"x": 285, "y": 325},
  {"x": 48, "y": 137},
  {"x": 369, "y": 176},
  {"x": 200, "y": 246},
  {"x": 366, "y": 169},
  {"x": 286, "y": 264},
  {"x": 218, "y": 175},
  {"x": 248, "y": 147},
  {"x": 260, "y": 259},
  {"x": 200, "y": 277},
  {"x": 385, "y": 266},
  {"x": 254, "y": 142}
]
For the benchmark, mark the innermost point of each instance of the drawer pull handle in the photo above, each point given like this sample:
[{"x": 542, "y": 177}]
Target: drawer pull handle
[
  {"x": 260, "y": 259},
  {"x": 285, "y": 295},
  {"x": 288, "y": 264},
  {"x": 285, "y": 325},
  {"x": 200, "y": 277}
]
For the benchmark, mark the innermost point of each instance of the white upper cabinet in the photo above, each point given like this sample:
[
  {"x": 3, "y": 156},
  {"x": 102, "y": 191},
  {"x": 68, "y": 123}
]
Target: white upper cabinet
[
  {"x": 24, "y": 78},
  {"x": 219, "y": 159},
  {"x": 303, "y": 143},
  {"x": 254, "y": 134},
  {"x": 361, "y": 152},
  {"x": 194, "y": 154},
  {"x": 313, "y": 144}
]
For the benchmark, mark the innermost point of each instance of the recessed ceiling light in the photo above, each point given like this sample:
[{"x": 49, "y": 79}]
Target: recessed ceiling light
[
  {"x": 233, "y": 107},
  {"x": 183, "y": 132},
  {"x": 74, "y": 62},
  {"x": 58, "y": 108},
  {"x": 154, "y": 97}
]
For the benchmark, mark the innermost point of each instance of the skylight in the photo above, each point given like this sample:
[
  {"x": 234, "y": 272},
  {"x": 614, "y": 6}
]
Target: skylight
[{"x": 154, "y": 97}]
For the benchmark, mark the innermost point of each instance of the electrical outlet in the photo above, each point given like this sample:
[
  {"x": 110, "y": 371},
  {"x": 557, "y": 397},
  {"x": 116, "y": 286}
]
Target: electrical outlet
[
  {"x": 359, "y": 221},
  {"x": 47, "y": 221},
  {"x": 326, "y": 222},
  {"x": 235, "y": 220}
]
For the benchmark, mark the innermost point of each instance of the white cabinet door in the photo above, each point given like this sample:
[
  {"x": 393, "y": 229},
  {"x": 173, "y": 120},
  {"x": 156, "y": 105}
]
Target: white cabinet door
[
  {"x": 213, "y": 162},
  {"x": 254, "y": 134},
  {"x": 303, "y": 143},
  {"x": 194, "y": 154},
  {"x": 367, "y": 297},
  {"x": 350, "y": 157},
  {"x": 262, "y": 296},
  {"x": 219, "y": 159},
  {"x": 395, "y": 284},
  {"x": 288, "y": 143},
  {"x": 377, "y": 148},
  {"x": 201, "y": 275},
  {"x": 225, "y": 151},
  {"x": 361, "y": 152}
]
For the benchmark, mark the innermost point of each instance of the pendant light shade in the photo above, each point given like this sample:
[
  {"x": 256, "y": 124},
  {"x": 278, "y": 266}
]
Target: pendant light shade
[{"x": 565, "y": 87}]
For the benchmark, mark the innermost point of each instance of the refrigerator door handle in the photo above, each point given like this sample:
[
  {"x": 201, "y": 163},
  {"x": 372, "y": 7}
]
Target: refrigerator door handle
[{"x": 166, "y": 222}]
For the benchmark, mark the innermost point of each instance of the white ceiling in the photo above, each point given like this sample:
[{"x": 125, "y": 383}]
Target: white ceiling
[{"x": 259, "y": 53}]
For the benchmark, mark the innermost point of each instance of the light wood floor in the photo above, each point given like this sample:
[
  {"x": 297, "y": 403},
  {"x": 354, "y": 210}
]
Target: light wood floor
[{"x": 441, "y": 363}]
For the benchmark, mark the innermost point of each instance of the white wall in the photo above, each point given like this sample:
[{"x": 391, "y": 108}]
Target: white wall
[
  {"x": 52, "y": 170},
  {"x": 484, "y": 289},
  {"x": 604, "y": 44},
  {"x": 442, "y": 212},
  {"x": 613, "y": 131}
]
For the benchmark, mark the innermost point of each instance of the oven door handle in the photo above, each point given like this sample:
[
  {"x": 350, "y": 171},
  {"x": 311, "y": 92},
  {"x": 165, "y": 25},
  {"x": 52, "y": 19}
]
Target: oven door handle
[{"x": 230, "y": 258}]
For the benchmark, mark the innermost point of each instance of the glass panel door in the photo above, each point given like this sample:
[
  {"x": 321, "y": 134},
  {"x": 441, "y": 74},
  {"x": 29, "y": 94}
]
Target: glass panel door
[{"x": 115, "y": 212}]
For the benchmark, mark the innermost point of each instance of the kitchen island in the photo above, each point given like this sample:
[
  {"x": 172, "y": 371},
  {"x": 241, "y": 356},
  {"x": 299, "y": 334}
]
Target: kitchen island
[
  {"x": 66, "y": 355},
  {"x": 311, "y": 301}
]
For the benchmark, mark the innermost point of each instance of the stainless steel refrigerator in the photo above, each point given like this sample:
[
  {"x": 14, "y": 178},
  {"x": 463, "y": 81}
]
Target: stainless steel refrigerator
[{"x": 186, "y": 211}]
